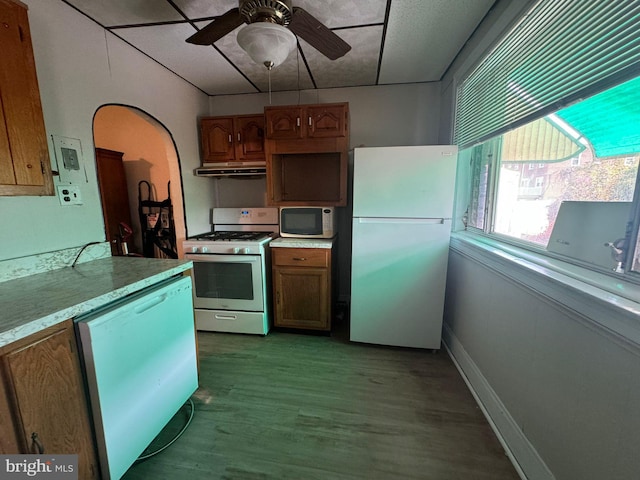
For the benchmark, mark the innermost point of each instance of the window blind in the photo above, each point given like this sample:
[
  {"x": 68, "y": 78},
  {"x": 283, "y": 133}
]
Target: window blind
[{"x": 560, "y": 51}]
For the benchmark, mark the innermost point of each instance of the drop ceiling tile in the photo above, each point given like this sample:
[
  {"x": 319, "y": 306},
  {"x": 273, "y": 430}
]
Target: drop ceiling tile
[
  {"x": 201, "y": 65},
  {"x": 127, "y": 12},
  {"x": 345, "y": 13},
  {"x": 358, "y": 67},
  {"x": 424, "y": 36},
  {"x": 205, "y": 8}
]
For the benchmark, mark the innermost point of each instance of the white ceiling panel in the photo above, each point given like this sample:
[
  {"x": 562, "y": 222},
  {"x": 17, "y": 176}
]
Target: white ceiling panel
[
  {"x": 203, "y": 66},
  {"x": 356, "y": 68},
  {"x": 344, "y": 13},
  {"x": 127, "y": 12},
  {"x": 205, "y": 8},
  {"x": 424, "y": 36}
]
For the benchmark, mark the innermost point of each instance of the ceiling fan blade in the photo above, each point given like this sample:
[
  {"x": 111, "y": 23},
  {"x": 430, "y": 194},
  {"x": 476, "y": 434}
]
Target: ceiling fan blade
[
  {"x": 217, "y": 29},
  {"x": 317, "y": 35}
]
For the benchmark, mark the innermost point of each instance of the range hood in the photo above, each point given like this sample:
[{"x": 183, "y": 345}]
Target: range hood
[{"x": 231, "y": 169}]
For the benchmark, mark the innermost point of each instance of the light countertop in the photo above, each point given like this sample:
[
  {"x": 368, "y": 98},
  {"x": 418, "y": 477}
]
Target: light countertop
[
  {"x": 34, "y": 302},
  {"x": 289, "y": 242}
]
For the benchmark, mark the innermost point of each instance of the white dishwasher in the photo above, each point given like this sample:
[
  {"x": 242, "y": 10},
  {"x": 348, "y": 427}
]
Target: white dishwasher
[{"x": 140, "y": 360}]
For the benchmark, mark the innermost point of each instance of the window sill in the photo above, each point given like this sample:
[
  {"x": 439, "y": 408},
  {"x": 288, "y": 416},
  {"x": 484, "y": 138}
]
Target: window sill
[{"x": 609, "y": 302}]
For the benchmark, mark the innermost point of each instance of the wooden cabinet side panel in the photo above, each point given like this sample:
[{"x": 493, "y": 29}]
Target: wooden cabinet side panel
[
  {"x": 21, "y": 105},
  {"x": 47, "y": 384},
  {"x": 7, "y": 175}
]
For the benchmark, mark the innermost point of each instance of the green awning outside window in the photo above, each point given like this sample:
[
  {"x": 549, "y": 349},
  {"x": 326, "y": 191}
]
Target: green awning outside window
[
  {"x": 610, "y": 121},
  {"x": 539, "y": 141}
]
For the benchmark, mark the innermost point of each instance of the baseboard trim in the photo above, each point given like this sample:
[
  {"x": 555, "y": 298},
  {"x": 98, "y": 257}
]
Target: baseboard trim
[{"x": 517, "y": 447}]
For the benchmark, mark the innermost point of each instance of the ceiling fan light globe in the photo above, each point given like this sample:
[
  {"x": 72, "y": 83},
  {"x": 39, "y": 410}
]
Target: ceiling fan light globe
[{"x": 267, "y": 43}]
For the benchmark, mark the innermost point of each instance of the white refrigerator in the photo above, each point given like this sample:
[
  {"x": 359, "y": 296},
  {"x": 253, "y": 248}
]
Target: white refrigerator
[{"x": 402, "y": 209}]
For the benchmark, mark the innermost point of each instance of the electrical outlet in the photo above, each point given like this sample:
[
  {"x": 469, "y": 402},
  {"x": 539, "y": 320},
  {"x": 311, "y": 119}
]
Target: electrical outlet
[{"x": 69, "y": 195}]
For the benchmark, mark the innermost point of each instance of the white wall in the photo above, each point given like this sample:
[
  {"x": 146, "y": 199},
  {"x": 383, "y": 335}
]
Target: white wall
[{"x": 79, "y": 69}]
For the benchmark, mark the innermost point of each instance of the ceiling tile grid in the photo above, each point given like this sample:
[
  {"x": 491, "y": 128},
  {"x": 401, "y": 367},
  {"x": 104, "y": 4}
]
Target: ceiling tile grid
[{"x": 421, "y": 39}]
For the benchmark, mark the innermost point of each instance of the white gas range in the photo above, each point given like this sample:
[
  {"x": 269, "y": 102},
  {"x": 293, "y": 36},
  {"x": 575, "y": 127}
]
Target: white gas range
[{"x": 231, "y": 270}]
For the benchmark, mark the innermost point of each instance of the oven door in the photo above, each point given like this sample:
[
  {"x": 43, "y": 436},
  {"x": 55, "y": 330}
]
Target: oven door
[{"x": 228, "y": 282}]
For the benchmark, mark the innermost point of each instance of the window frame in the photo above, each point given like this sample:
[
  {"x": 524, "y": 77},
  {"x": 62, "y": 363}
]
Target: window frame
[{"x": 488, "y": 230}]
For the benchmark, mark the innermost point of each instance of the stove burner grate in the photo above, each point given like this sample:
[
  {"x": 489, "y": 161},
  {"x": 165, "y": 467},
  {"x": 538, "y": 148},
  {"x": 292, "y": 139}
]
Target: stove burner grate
[{"x": 241, "y": 236}]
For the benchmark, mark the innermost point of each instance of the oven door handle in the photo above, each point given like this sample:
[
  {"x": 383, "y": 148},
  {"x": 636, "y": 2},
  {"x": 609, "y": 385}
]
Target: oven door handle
[{"x": 214, "y": 257}]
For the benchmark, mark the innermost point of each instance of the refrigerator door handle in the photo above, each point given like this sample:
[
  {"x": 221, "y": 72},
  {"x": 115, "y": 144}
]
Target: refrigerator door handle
[{"x": 402, "y": 220}]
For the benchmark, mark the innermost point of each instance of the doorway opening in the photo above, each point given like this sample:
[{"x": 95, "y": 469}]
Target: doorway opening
[{"x": 140, "y": 183}]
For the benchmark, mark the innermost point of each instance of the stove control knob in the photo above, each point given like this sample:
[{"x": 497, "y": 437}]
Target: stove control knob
[
  {"x": 205, "y": 249},
  {"x": 247, "y": 250},
  {"x": 194, "y": 249},
  {"x": 236, "y": 250}
]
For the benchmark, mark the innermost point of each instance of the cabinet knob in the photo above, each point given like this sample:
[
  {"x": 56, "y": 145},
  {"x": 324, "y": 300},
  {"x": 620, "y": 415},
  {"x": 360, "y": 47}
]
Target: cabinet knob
[
  {"x": 230, "y": 139},
  {"x": 299, "y": 259},
  {"x": 238, "y": 137}
]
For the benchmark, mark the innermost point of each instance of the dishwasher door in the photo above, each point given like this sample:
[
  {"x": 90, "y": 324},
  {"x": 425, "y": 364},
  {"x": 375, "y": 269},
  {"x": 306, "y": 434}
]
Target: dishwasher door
[{"x": 140, "y": 360}]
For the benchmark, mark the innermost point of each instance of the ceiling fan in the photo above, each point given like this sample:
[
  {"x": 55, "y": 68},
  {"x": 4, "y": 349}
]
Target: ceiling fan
[{"x": 274, "y": 12}]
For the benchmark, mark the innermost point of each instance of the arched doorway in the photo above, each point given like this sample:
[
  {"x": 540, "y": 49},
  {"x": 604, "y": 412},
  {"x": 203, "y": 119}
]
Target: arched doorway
[{"x": 149, "y": 156}]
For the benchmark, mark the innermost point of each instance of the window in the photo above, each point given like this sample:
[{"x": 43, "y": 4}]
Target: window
[{"x": 581, "y": 206}]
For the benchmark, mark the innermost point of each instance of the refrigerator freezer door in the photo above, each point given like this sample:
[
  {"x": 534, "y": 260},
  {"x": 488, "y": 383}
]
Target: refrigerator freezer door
[
  {"x": 399, "y": 270},
  {"x": 416, "y": 181}
]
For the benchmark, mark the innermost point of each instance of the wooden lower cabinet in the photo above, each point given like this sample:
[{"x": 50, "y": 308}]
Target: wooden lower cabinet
[
  {"x": 302, "y": 287},
  {"x": 43, "y": 407}
]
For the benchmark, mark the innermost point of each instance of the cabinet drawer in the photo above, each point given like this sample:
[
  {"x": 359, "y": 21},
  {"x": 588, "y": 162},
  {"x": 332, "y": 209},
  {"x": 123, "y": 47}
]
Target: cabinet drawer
[{"x": 301, "y": 257}]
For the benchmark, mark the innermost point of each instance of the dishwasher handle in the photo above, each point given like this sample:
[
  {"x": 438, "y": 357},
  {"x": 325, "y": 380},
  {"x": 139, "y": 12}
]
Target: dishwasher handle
[{"x": 149, "y": 304}]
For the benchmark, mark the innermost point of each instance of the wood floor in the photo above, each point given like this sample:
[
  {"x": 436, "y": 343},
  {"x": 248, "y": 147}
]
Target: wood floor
[{"x": 304, "y": 407}]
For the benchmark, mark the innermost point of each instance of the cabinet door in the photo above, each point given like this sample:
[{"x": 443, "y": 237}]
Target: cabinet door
[
  {"x": 52, "y": 414},
  {"x": 24, "y": 164},
  {"x": 249, "y": 132},
  {"x": 301, "y": 297},
  {"x": 326, "y": 121},
  {"x": 9, "y": 442},
  {"x": 283, "y": 122},
  {"x": 216, "y": 136}
]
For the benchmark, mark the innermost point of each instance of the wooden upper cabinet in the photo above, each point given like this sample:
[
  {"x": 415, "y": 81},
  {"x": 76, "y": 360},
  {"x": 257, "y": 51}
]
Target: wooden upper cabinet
[
  {"x": 25, "y": 167},
  {"x": 232, "y": 139},
  {"x": 307, "y": 121},
  {"x": 326, "y": 120},
  {"x": 249, "y": 136},
  {"x": 216, "y": 135},
  {"x": 307, "y": 154},
  {"x": 283, "y": 122}
]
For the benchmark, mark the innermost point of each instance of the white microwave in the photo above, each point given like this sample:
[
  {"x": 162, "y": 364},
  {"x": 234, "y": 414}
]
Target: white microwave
[{"x": 307, "y": 222}]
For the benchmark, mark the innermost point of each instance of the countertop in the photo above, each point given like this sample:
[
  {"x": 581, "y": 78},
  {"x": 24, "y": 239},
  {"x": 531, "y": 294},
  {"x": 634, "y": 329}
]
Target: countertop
[
  {"x": 289, "y": 242},
  {"x": 34, "y": 302}
]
